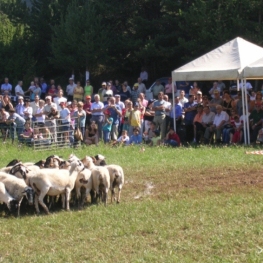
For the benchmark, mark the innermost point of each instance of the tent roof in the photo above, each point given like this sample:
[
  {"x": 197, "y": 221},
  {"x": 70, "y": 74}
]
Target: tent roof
[
  {"x": 254, "y": 70},
  {"x": 223, "y": 63}
]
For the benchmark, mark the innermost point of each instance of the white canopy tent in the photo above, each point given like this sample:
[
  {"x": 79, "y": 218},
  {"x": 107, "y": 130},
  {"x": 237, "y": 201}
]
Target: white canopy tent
[
  {"x": 226, "y": 62},
  {"x": 254, "y": 70}
]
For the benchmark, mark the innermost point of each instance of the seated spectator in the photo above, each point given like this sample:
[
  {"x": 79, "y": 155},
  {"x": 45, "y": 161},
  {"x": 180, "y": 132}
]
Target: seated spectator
[
  {"x": 148, "y": 134},
  {"x": 229, "y": 128},
  {"x": 6, "y": 103},
  {"x": 172, "y": 138},
  {"x": 156, "y": 139},
  {"x": 237, "y": 136},
  {"x": 136, "y": 138},
  {"x": 3, "y": 118},
  {"x": 219, "y": 121},
  {"x": 91, "y": 135},
  {"x": 36, "y": 135},
  {"x": 198, "y": 127},
  {"x": 255, "y": 119},
  {"x": 124, "y": 139},
  {"x": 27, "y": 134}
]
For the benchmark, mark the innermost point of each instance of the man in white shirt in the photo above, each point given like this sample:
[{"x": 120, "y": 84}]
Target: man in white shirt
[
  {"x": 144, "y": 75},
  {"x": 57, "y": 100},
  {"x": 247, "y": 85},
  {"x": 168, "y": 107},
  {"x": 18, "y": 89},
  {"x": 220, "y": 120},
  {"x": 6, "y": 88},
  {"x": 97, "y": 113},
  {"x": 70, "y": 89}
]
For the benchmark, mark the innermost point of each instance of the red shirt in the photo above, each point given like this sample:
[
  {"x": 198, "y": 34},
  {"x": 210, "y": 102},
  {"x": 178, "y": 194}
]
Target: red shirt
[{"x": 174, "y": 137}]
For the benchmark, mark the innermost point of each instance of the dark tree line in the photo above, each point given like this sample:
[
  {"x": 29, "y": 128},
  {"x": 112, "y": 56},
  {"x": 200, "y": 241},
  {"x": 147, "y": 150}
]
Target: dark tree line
[{"x": 114, "y": 38}]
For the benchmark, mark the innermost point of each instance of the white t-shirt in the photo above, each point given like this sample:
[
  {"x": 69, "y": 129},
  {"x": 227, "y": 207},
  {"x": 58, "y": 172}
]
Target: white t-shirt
[
  {"x": 96, "y": 106},
  {"x": 20, "y": 90},
  {"x": 40, "y": 118},
  {"x": 125, "y": 140}
]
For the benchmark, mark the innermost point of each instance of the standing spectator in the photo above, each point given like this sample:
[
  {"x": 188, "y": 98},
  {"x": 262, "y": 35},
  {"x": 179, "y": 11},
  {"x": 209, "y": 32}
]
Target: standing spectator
[
  {"x": 126, "y": 115},
  {"x": 176, "y": 113},
  {"x": 168, "y": 107},
  {"x": 255, "y": 119},
  {"x": 158, "y": 87},
  {"x": 141, "y": 86},
  {"x": 101, "y": 91},
  {"x": 80, "y": 116},
  {"x": 52, "y": 91},
  {"x": 36, "y": 91},
  {"x": 20, "y": 106},
  {"x": 65, "y": 120},
  {"x": 16, "y": 123},
  {"x": 143, "y": 100},
  {"x": 35, "y": 105},
  {"x": 135, "y": 93},
  {"x": 30, "y": 90},
  {"x": 182, "y": 98},
  {"x": 87, "y": 109},
  {"x": 6, "y": 88},
  {"x": 88, "y": 89},
  {"x": 78, "y": 92},
  {"x": 70, "y": 89},
  {"x": 107, "y": 127},
  {"x": 185, "y": 86},
  {"x": 194, "y": 89},
  {"x": 115, "y": 113},
  {"x": 221, "y": 85},
  {"x": 28, "y": 110},
  {"x": 190, "y": 112},
  {"x": 135, "y": 118},
  {"x": 3, "y": 126},
  {"x": 107, "y": 93},
  {"x": 169, "y": 88},
  {"x": 97, "y": 113},
  {"x": 43, "y": 86},
  {"x": 19, "y": 90},
  {"x": 127, "y": 85},
  {"x": 122, "y": 107},
  {"x": 125, "y": 93},
  {"x": 39, "y": 115},
  {"x": 52, "y": 82},
  {"x": 118, "y": 87},
  {"x": 59, "y": 98},
  {"x": 148, "y": 115},
  {"x": 198, "y": 127},
  {"x": 6, "y": 103},
  {"x": 144, "y": 76},
  {"x": 159, "y": 116}
]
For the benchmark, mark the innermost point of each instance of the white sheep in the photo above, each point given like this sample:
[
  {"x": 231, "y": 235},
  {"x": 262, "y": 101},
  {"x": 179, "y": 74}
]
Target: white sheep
[
  {"x": 17, "y": 188},
  {"x": 100, "y": 179},
  {"x": 116, "y": 180},
  {"x": 6, "y": 198},
  {"x": 54, "y": 182}
]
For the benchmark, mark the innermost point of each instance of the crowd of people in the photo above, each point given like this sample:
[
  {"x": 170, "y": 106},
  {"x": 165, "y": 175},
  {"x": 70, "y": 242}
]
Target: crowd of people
[{"x": 121, "y": 115}]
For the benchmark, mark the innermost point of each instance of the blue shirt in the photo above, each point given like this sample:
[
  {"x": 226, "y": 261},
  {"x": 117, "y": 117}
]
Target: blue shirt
[
  {"x": 107, "y": 126},
  {"x": 189, "y": 116},
  {"x": 158, "y": 103},
  {"x": 178, "y": 111},
  {"x": 18, "y": 120},
  {"x": 44, "y": 87},
  {"x": 114, "y": 114},
  {"x": 136, "y": 139},
  {"x": 6, "y": 87},
  {"x": 20, "y": 109}
]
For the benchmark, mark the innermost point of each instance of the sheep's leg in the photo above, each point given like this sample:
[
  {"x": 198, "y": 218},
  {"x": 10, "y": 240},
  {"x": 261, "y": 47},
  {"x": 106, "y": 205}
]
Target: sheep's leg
[
  {"x": 63, "y": 199},
  {"x": 40, "y": 199},
  {"x": 67, "y": 194},
  {"x": 119, "y": 195},
  {"x": 105, "y": 193},
  {"x": 85, "y": 196},
  {"x": 19, "y": 204},
  {"x": 36, "y": 204},
  {"x": 78, "y": 195}
]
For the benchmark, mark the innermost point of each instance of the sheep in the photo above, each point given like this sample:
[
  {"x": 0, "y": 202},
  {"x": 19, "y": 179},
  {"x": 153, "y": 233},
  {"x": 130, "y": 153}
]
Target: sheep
[
  {"x": 17, "y": 188},
  {"x": 13, "y": 162},
  {"x": 100, "y": 160},
  {"x": 116, "y": 180},
  {"x": 100, "y": 179},
  {"x": 21, "y": 171},
  {"x": 54, "y": 182},
  {"x": 53, "y": 161},
  {"x": 6, "y": 198}
]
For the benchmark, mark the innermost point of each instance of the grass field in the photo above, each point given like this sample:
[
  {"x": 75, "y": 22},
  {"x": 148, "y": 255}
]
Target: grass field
[{"x": 177, "y": 205}]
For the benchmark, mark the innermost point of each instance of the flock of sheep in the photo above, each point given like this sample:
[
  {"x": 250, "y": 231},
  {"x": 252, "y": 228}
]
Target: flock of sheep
[{"x": 55, "y": 178}]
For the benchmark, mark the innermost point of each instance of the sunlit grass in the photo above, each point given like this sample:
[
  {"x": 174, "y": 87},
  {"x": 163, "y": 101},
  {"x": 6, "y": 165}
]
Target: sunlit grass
[{"x": 178, "y": 205}]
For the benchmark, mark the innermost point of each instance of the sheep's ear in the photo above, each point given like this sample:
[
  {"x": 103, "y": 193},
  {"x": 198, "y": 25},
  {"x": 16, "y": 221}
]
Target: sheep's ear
[{"x": 93, "y": 159}]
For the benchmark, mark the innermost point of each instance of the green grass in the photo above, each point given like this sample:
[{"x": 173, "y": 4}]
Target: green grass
[{"x": 178, "y": 205}]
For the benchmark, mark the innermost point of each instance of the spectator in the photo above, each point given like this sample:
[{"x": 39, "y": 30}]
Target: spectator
[
  {"x": 228, "y": 103},
  {"x": 115, "y": 113},
  {"x": 107, "y": 93},
  {"x": 78, "y": 92},
  {"x": 101, "y": 91},
  {"x": 59, "y": 98},
  {"x": 27, "y": 134},
  {"x": 124, "y": 139},
  {"x": 20, "y": 107},
  {"x": 6, "y": 103},
  {"x": 35, "y": 105},
  {"x": 28, "y": 110},
  {"x": 97, "y": 113},
  {"x": 16, "y": 122},
  {"x": 65, "y": 120},
  {"x": 190, "y": 112},
  {"x": 141, "y": 87},
  {"x": 198, "y": 127},
  {"x": 87, "y": 109},
  {"x": 207, "y": 118},
  {"x": 19, "y": 90},
  {"x": 169, "y": 88},
  {"x": 135, "y": 118},
  {"x": 194, "y": 89},
  {"x": 144, "y": 76},
  {"x": 184, "y": 86},
  {"x": 238, "y": 130},
  {"x": 91, "y": 135},
  {"x": 144, "y": 102},
  {"x": 213, "y": 89},
  {"x": 182, "y": 98},
  {"x": 255, "y": 119},
  {"x": 219, "y": 121},
  {"x": 221, "y": 85},
  {"x": 135, "y": 93},
  {"x": 158, "y": 87},
  {"x": 168, "y": 107},
  {"x": 3, "y": 126},
  {"x": 126, "y": 115},
  {"x": 6, "y": 88},
  {"x": 118, "y": 87},
  {"x": 199, "y": 98},
  {"x": 80, "y": 116},
  {"x": 176, "y": 113},
  {"x": 156, "y": 139},
  {"x": 70, "y": 89},
  {"x": 136, "y": 138},
  {"x": 148, "y": 115},
  {"x": 43, "y": 86},
  {"x": 125, "y": 93},
  {"x": 148, "y": 134},
  {"x": 215, "y": 101},
  {"x": 107, "y": 126},
  {"x": 88, "y": 89},
  {"x": 172, "y": 139},
  {"x": 39, "y": 115},
  {"x": 52, "y": 91}
]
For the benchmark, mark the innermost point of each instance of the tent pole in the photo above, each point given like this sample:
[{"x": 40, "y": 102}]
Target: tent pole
[
  {"x": 173, "y": 107},
  {"x": 246, "y": 111},
  {"x": 243, "y": 111}
]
